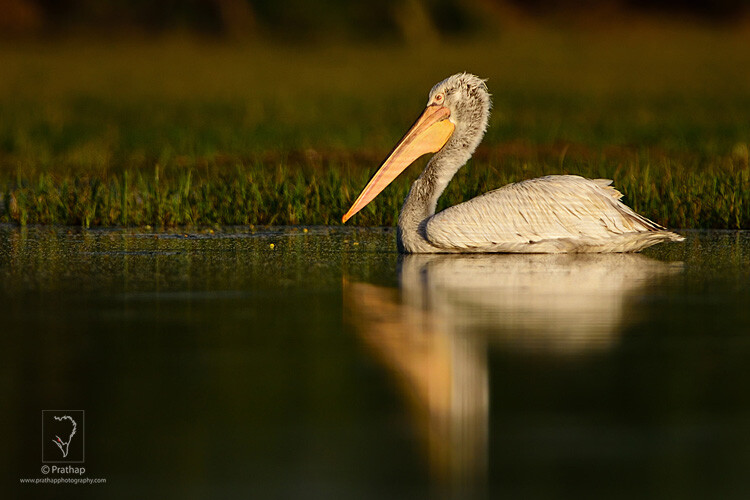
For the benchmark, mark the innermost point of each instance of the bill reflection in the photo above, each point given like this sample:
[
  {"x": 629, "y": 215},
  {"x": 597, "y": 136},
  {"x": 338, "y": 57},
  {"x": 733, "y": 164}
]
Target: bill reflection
[{"x": 433, "y": 333}]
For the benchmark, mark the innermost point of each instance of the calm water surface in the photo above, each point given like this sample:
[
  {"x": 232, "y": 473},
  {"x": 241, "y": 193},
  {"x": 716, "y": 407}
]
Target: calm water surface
[{"x": 326, "y": 366}]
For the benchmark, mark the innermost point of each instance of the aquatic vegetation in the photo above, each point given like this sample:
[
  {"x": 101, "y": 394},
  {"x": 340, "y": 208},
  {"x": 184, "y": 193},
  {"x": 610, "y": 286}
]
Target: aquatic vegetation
[
  {"x": 183, "y": 132},
  {"x": 679, "y": 196}
]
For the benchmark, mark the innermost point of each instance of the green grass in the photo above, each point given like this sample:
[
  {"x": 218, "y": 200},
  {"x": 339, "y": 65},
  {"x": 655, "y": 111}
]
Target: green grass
[{"x": 182, "y": 132}]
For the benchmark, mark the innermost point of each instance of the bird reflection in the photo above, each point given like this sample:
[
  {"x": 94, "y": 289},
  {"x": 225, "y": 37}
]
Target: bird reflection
[{"x": 433, "y": 333}]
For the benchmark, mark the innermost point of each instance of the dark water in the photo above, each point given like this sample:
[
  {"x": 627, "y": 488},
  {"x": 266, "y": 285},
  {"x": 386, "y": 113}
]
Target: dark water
[{"x": 213, "y": 365}]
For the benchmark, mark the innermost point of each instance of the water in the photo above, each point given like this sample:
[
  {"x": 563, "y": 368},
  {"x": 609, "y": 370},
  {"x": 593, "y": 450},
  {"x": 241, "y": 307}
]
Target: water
[{"x": 212, "y": 364}]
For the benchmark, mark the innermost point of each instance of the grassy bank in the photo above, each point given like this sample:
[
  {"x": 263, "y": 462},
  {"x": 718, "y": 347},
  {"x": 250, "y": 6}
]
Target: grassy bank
[{"x": 177, "y": 132}]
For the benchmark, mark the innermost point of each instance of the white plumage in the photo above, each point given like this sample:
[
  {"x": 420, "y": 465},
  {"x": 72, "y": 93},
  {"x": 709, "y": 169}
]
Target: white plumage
[{"x": 553, "y": 214}]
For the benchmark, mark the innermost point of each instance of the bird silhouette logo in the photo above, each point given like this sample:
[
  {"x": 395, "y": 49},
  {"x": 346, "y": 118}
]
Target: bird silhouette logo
[
  {"x": 67, "y": 430},
  {"x": 65, "y": 445}
]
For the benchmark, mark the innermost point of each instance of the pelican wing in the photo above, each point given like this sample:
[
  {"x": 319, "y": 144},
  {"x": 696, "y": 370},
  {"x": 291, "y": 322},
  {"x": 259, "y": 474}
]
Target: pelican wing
[{"x": 557, "y": 213}]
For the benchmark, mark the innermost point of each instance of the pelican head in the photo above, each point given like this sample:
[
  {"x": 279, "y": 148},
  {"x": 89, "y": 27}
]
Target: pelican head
[
  {"x": 467, "y": 98},
  {"x": 455, "y": 119}
]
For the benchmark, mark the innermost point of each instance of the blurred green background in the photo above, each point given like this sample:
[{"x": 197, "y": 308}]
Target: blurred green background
[
  {"x": 189, "y": 112},
  {"x": 299, "y": 20}
]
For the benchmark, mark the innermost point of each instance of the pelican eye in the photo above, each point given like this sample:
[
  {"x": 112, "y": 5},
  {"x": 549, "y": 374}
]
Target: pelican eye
[{"x": 438, "y": 98}]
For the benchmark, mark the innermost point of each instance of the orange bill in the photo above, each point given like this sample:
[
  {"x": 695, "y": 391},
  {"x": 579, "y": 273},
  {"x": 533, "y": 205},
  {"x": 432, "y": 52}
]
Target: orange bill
[{"x": 428, "y": 134}]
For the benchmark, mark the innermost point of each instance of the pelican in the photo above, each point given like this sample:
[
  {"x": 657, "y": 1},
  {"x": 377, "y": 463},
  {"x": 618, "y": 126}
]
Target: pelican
[{"x": 552, "y": 214}]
